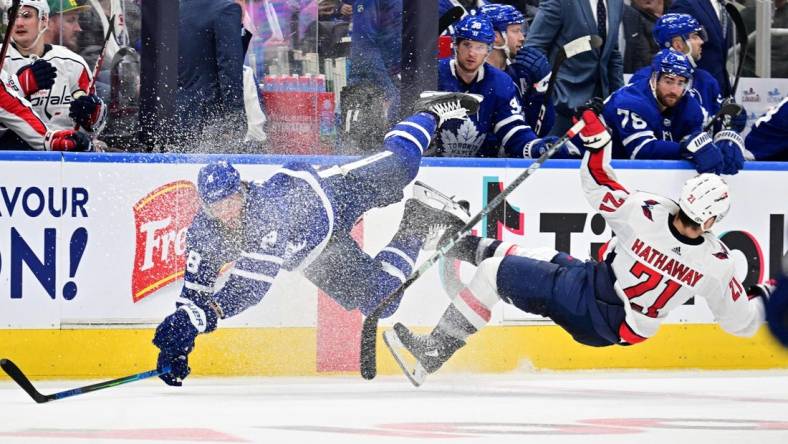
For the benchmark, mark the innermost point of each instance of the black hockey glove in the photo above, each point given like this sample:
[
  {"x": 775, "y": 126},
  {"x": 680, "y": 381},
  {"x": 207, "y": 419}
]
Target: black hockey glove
[
  {"x": 67, "y": 140},
  {"x": 85, "y": 110},
  {"x": 594, "y": 104},
  {"x": 36, "y": 76}
]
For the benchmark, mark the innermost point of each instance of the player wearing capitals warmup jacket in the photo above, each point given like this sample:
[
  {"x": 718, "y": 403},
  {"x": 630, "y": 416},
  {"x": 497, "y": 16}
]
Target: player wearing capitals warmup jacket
[
  {"x": 300, "y": 219},
  {"x": 654, "y": 118},
  {"x": 500, "y": 122},
  {"x": 662, "y": 255},
  {"x": 55, "y": 80},
  {"x": 530, "y": 70},
  {"x": 768, "y": 139}
]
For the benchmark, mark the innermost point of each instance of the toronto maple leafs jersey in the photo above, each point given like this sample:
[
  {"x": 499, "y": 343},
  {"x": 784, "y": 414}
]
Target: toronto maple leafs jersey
[
  {"x": 73, "y": 75},
  {"x": 498, "y": 123},
  {"x": 656, "y": 268},
  {"x": 768, "y": 139},
  {"x": 17, "y": 115},
  {"x": 705, "y": 90},
  {"x": 640, "y": 131},
  {"x": 532, "y": 98}
]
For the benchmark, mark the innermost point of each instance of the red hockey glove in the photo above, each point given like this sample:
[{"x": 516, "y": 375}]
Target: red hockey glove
[
  {"x": 37, "y": 76},
  {"x": 594, "y": 135},
  {"x": 67, "y": 140}
]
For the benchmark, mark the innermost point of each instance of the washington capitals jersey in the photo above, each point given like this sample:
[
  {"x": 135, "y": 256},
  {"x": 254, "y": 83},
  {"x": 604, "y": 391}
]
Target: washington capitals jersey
[
  {"x": 656, "y": 268},
  {"x": 287, "y": 221},
  {"x": 641, "y": 131},
  {"x": 705, "y": 89},
  {"x": 17, "y": 115},
  {"x": 768, "y": 139},
  {"x": 498, "y": 123},
  {"x": 73, "y": 75}
]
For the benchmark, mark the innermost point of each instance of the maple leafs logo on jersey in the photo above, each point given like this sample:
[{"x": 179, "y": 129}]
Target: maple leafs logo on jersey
[
  {"x": 647, "y": 206},
  {"x": 464, "y": 142},
  {"x": 269, "y": 240}
]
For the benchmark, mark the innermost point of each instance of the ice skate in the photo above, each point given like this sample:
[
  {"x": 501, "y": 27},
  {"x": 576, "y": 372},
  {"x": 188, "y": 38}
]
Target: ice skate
[
  {"x": 430, "y": 352},
  {"x": 448, "y": 105},
  {"x": 432, "y": 214}
]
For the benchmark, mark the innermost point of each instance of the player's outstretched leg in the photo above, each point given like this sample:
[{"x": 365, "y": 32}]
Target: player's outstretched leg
[
  {"x": 431, "y": 213},
  {"x": 429, "y": 351}
]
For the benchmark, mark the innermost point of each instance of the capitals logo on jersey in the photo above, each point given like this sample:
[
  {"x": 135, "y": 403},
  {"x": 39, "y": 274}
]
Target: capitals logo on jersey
[{"x": 647, "y": 207}]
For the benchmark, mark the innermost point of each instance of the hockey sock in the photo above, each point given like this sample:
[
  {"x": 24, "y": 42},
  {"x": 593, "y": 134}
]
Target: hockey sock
[
  {"x": 471, "y": 309},
  {"x": 399, "y": 256}
]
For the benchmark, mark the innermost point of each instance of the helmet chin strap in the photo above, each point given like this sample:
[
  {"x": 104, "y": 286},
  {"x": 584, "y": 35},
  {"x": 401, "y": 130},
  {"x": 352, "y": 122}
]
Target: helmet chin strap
[
  {"x": 505, "y": 46},
  {"x": 688, "y": 53}
]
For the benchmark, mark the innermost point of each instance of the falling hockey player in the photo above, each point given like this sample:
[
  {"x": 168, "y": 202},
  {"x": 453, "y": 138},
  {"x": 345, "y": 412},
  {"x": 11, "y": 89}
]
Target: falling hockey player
[
  {"x": 301, "y": 219},
  {"x": 662, "y": 255}
]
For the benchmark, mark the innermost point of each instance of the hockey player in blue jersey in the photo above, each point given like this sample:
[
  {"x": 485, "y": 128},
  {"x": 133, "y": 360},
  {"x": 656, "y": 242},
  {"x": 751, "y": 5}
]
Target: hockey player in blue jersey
[
  {"x": 654, "y": 118},
  {"x": 530, "y": 69},
  {"x": 499, "y": 123},
  {"x": 768, "y": 139},
  {"x": 300, "y": 219}
]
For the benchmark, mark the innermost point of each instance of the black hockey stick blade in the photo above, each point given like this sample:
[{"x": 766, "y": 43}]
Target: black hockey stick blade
[
  {"x": 571, "y": 49},
  {"x": 19, "y": 377},
  {"x": 743, "y": 37},
  {"x": 369, "y": 330},
  {"x": 728, "y": 108},
  {"x": 449, "y": 18}
]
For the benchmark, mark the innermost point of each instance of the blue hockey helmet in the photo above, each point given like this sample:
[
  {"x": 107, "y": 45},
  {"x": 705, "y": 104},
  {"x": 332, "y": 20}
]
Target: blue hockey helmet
[
  {"x": 477, "y": 28},
  {"x": 217, "y": 180},
  {"x": 676, "y": 25},
  {"x": 673, "y": 63},
  {"x": 501, "y": 16}
]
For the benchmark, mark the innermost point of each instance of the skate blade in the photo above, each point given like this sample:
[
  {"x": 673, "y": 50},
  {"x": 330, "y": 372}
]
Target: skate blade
[{"x": 415, "y": 373}]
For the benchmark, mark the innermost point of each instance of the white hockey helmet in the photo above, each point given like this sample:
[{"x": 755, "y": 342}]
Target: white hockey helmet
[
  {"x": 42, "y": 6},
  {"x": 705, "y": 196}
]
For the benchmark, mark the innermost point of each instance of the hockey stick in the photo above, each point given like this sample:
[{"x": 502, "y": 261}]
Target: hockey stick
[
  {"x": 448, "y": 19},
  {"x": 16, "y": 374},
  {"x": 741, "y": 35},
  {"x": 369, "y": 330},
  {"x": 727, "y": 111},
  {"x": 99, "y": 62},
  {"x": 12, "y": 11},
  {"x": 571, "y": 49}
]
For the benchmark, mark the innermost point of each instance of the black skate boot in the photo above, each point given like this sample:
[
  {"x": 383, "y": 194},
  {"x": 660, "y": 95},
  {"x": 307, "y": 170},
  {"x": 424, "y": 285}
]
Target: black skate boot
[
  {"x": 430, "y": 214},
  {"x": 430, "y": 351},
  {"x": 448, "y": 105}
]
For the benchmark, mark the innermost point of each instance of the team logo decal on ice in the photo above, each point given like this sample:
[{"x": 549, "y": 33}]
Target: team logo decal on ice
[
  {"x": 464, "y": 141},
  {"x": 160, "y": 220}
]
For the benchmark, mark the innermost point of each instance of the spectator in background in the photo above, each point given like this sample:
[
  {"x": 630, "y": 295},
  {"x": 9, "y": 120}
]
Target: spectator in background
[
  {"x": 779, "y": 42},
  {"x": 595, "y": 73},
  {"x": 64, "y": 26},
  {"x": 718, "y": 25},
  {"x": 639, "y": 19},
  {"x": 209, "y": 98}
]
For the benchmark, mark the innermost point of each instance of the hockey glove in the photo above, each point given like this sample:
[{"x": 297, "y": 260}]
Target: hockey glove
[
  {"x": 175, "y": 339},
  {"x": 731, "y": 146},
  {"x": 594, "y": 135},
  {"x": 701, "y": 151},
  {"x": 67, "y": 140},
  {"x": 36, "y": 76},
  {"x": 535, "y": 148},
  {"x": 739, "y": 122},
  {"x": 763, "y": 290},
  {"x": 594, "y": 104},
  {"x": 85, "y": 111},
  {"x": 530, "y": 64}
]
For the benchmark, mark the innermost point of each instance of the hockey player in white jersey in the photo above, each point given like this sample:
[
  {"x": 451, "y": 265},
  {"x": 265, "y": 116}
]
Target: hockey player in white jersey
[
  {"x": 663, "y": 254},
  {"x": 63, "y": 101}
]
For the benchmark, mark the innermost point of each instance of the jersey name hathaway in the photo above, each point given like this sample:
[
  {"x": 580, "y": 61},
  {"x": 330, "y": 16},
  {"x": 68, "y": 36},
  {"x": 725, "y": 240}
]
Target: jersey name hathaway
[{"x": 666, "y": 264}]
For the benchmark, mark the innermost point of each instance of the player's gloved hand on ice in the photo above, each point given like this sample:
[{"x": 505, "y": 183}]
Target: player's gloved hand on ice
[
  {"x": 530, "y": 64},
  {"x": 85, "y": 110},
  {"x": 36, "y": 76},
  {"x": 535, "y": 148},
  {"x": 175, "y": 339},
  {"x": 731, "y": 146},
  {"x": 701, "y": 151},
  {"x": 67, "y": 140},
  {"x": 594, "y": 135}
]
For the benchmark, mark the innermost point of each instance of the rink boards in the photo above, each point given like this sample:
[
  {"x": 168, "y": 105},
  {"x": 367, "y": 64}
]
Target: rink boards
[{"x": 91, "y": 256}]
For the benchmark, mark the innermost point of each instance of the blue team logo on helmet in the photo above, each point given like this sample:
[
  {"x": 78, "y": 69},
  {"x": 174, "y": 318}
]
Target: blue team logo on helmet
[
  {"x": 501, "y": 16},
  {"x": 476, "y": 28},
  {"x": 675, "y": 25},
  {"x": 674, "y": 63},
  {"x": 217, "y": 180}
]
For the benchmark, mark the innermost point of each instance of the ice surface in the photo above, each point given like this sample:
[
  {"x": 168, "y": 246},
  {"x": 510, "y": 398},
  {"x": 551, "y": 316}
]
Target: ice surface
[{"x": 578, "y": 407}]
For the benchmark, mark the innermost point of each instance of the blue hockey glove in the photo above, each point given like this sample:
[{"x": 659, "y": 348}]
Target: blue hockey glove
[
  {"x": 731, "y": 146},
  {"x": 535, "y": 148},
  {"x": 175, "y": 339},
  {"x": 85, "y": 111},
  {"x": 37, "y": 76},
  {"x": 530, "y": 64},
  {"x": 706, "y": 156},
  {"x": 739, "y": 122}
]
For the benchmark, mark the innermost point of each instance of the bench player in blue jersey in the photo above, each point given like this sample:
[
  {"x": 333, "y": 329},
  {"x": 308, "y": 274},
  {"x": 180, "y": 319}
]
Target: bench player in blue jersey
[
  {"x": 768, "y": 138},
  {"x": 528, "y": 67},
  {"x": 655, "y": 118},
  {"x": 300, "y": 219}
]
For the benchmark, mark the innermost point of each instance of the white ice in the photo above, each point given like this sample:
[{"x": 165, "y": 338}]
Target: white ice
[{"x": 523, "y": 407}]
